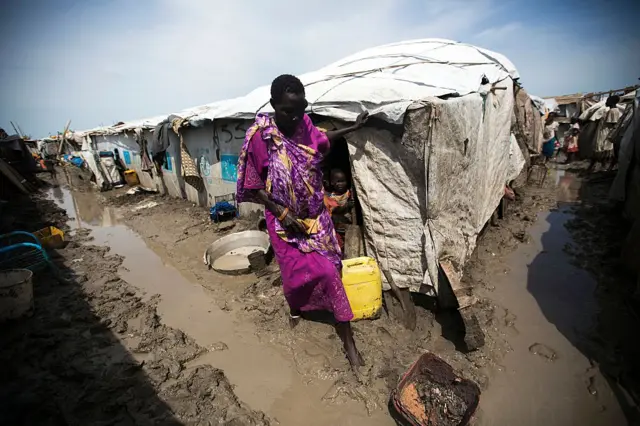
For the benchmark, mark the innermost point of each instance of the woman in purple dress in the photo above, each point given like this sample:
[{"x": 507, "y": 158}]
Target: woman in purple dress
[{"x": 279, "y": 167}]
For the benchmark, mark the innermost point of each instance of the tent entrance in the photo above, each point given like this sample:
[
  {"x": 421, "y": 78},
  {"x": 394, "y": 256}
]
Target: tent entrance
[{"x": 348, "y": 221}]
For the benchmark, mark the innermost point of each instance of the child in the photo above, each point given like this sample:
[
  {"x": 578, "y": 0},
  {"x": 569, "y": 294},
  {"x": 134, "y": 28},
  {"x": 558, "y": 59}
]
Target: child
[
  {"x": 339, "y": 203},
  {"x": 571, "y": 144}
]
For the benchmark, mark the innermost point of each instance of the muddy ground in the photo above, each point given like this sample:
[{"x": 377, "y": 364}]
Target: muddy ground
[
  {"x": 154, "y": 367},
  {"x": 94, "y": 353},
  {"x": 180, "y": 231}
]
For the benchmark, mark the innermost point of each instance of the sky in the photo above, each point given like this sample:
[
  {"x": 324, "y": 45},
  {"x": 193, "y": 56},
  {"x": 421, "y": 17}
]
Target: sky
[{"x": 98, "y": 62}]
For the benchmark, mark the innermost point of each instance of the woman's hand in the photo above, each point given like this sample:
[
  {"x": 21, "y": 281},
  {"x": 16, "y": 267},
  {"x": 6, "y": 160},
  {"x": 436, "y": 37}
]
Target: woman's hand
[
  {"x": 362, "y": 119},
  {"x": 291, "y": 224}
]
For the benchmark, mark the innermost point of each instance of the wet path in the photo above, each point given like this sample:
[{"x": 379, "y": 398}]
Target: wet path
[
  {"x": 546, "y": 379},
  {"x": 264, "y": 377}
]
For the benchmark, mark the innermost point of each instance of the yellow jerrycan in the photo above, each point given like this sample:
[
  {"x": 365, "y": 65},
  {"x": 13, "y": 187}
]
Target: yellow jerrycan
[{"x": 363, "y": 284}]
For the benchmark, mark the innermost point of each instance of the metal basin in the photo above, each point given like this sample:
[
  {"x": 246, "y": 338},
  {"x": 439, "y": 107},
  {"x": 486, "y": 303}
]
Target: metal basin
[{"x": 230, "y": 254}]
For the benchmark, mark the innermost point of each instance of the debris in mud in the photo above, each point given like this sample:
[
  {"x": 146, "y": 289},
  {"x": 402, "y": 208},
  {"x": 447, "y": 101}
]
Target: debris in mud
[
  {"x": 431, "y": 393},
  {"x": 543, "y": 351},
  {"x": 521, "y": 236},
  {"x": 445, "y": 406}
]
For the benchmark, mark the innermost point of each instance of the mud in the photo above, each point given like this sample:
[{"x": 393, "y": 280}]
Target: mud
[
  {"x": 313, "y": 347},
  {"x": 94, "y": 352},
  {"x": 531, "y": 292}
]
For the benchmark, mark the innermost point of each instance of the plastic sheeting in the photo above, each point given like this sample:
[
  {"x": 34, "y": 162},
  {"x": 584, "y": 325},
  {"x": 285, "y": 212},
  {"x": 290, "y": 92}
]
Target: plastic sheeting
[
  {"x": 539, "y": 103},
  {"x": 516, "y": 159},
  {"x": 527, "y": 122},
  {"x": 384, "y": 80},
  {"x": 630, "y": 142},
  {"x": 551, "y": 104},
  {"x": 426, "y": 197}
]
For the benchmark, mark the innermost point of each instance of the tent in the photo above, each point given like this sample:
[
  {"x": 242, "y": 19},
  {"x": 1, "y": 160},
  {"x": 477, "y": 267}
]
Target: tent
[
  {"x": 626, "y": 186},
  {"x": 432, "y": 172},
  {"x": 590, "y": 118},
  {"x": 429, "y": 170}
]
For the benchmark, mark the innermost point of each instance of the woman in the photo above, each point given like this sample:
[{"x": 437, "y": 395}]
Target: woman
[
  {"x": 279, "y": 167},
  {"x": 550, "y": 137}
]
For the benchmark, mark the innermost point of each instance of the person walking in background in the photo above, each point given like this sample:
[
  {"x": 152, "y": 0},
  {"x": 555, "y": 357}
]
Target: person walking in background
[
  {"x": 279, "y": 167},
  {"x": 549, "y": 137},
  {"x": 603, "y": 152}
]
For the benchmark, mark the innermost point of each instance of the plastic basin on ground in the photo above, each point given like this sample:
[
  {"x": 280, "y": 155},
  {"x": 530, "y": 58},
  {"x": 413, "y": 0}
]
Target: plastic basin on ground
[{"x": 230, "y": 254}]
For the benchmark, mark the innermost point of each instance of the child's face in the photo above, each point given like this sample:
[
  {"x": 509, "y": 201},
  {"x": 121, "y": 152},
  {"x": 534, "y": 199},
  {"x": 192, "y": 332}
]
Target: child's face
[{"x": 339, "y": 182}]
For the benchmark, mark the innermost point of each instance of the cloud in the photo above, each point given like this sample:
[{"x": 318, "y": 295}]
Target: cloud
[
  {"x": 492, "y": 34},
  {"x": 111, "y": 60}
]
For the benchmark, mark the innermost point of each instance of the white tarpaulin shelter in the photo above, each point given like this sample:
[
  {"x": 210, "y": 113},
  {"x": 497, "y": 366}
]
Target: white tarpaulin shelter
[
  {"x": 427, "y": 194},
  {"x": 384, "y": 80}
]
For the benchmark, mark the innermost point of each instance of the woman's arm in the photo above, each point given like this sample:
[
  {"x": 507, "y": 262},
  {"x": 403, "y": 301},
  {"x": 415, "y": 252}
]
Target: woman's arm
[
  {"x": 334, "y": 135},
  {"x": 290, "y": 222}
]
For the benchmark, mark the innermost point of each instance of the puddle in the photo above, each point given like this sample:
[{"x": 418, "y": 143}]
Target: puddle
[
  {"x": 262, "y": 376},
  {"x": 568, "y": 186},
  {"x": 555, "y": 306},
  {"x": 83, "y": 209}
]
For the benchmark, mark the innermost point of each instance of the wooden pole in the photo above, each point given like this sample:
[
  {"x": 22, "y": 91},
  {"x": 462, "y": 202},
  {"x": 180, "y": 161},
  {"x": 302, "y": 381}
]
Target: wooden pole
[
  {"x": 14, "y": 129},
  {"x": 20, "y": 130},
  {"x": 64, "y": 137}
]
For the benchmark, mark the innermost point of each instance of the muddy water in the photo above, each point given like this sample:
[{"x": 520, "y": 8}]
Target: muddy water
[
  {"x": 264, "y": 377},
  {"x": 546, "y": 378}
]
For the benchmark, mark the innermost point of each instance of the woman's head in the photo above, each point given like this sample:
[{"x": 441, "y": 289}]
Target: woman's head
[
  {"x": 550, "y": 119},
  {"x": 288, "y": 102}
]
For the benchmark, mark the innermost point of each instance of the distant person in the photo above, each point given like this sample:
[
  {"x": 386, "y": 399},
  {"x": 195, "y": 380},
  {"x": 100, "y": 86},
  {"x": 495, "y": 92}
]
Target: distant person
[
  {"x": 571, "y": 146},
  {"x": 549, "y": 137},
  {"x": 339, "y": 202},
  {"x": 280, "y": 168},
  {"x": 575, "y": 123},
  {"x": 603, "y": 152}
]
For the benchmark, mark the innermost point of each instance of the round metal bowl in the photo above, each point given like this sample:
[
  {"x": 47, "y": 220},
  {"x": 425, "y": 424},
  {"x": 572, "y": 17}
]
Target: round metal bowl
[{"x": 230, "y": 254}]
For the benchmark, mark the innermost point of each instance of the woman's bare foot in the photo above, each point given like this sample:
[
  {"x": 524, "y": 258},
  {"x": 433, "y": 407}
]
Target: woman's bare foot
[
  {"x": 346, "y": 335},
  {"x": 294, "y": 318}
]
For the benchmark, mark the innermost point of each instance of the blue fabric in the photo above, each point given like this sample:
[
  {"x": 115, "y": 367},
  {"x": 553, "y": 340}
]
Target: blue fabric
[
  {"x": 549, "y": 147},
  {"x": 76, "y": 161},
  {"x": 220, "y": 207}
]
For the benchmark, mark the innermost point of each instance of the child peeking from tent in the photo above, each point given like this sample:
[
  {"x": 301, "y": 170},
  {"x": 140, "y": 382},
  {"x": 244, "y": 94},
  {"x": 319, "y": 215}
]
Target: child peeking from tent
[{"x": 339, "y": 202}]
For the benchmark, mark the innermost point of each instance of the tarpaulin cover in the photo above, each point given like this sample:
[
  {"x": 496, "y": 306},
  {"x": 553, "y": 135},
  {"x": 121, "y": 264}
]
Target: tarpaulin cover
[
  {"x": 626, "y": 186},
  {"x": 384, "y": 80},
  {"x": 426, "y": 196},
  {"x": 527, "y": 121}
]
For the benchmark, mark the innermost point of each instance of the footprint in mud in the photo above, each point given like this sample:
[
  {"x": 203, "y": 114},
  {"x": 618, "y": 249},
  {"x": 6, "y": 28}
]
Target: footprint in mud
[
  {"x": 543, "y": 351},
  {"x": 218, "y": 346}
]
